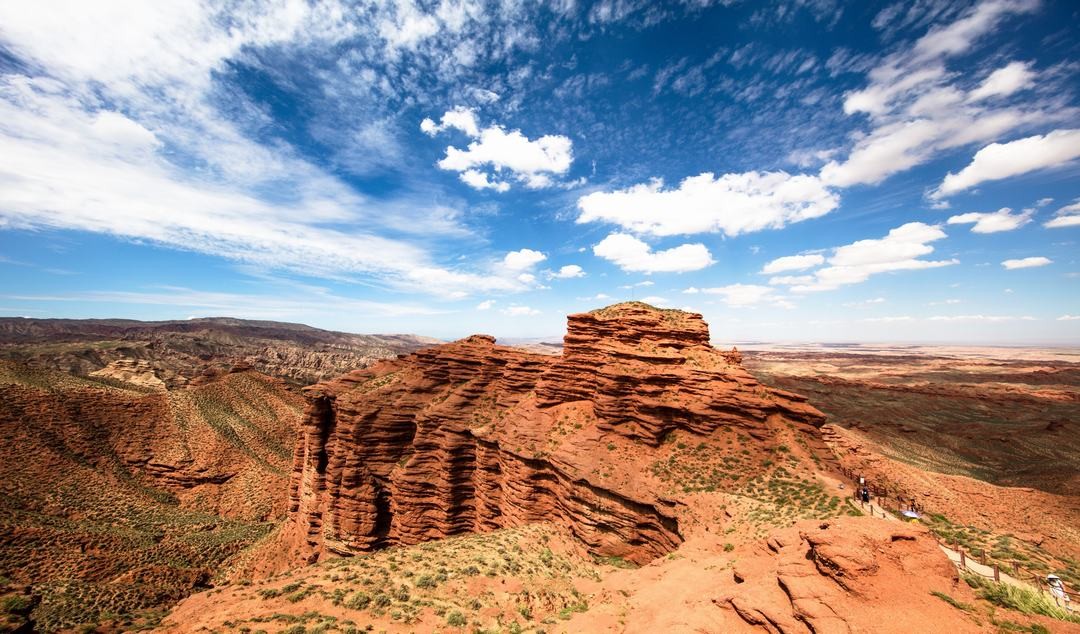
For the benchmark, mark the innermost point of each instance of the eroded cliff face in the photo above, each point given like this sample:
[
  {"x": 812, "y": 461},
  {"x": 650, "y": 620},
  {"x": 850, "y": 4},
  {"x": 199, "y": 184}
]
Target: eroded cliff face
[{"x": 473, "y": 436}]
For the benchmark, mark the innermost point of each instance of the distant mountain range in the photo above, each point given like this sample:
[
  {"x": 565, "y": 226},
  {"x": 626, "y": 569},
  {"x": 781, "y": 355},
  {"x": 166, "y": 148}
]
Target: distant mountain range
[{"x": 179, "y": 351}]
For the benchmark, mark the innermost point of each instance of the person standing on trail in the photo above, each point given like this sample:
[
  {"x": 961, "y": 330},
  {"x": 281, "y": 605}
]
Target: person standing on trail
[
  {"x": 1058, "y": 591},
  {"x": 866, "y": 495}
]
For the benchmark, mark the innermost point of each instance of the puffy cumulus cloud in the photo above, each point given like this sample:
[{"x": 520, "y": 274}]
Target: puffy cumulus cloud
[
  {"x": 1026, "y": 263},
  {"x": 518, "y": 310},
  {"x": 1002, "y": 160},
  {"x": 566, "y": 272},
  {"x": 523, "y": 259},
  {"x": 632, "y": 255},
  {"x": 793, "y": 263},
  {"x": 485, "y": 305},
  {"x": 993, "y": 222},
  {"x": 1067, "y": 216},
  {"x": 656, "y": 300},
  {"x": 531, "y": 162},
  {"x": 732, "y": 204},
  {"x": 1004, "y": 81},
  {"x": 918, "y": 108},
  {"x": 900, "y": 250},
  {"x": 479, "y": 180},
  {"x": 459, "y": 118},
  {"x": 1069, "y": 318}
]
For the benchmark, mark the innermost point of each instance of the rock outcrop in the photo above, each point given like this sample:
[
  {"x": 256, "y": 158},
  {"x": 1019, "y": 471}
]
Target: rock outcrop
[
  {"x": 473, "y": 436},
  {"x": 848, "y": 575},
  {"x": 133, "y": 371}
]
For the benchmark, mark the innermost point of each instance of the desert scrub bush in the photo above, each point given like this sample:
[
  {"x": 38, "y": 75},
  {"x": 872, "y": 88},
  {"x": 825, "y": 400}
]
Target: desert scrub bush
[
  {"x": 617, "y": 562},
  {"x": 426, "y": 581},
  {"x": 456, "y": 619},
  {"x": 359, "y": 601},
  {"x": 1023, "y": 600}
]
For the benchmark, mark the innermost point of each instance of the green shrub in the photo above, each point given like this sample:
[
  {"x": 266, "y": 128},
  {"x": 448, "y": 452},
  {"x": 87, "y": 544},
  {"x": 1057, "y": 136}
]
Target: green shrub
[
  {"x": 456, "y": 619},
  {"x": 426, "y": 581},
  {"x": 359, "y": 601}
]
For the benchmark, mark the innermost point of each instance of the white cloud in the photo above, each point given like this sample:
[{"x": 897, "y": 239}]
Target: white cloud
[
  {"x": 733, "y": 204},
  {"x": 459, "y": 118},
  {"x": 791, "y": 280},
  {"x": 1067, "y": 216},
  {"x": 888, "y": 319},
  {"x": 1002, "y": 160},
  {"x": 793, "y": 263},
  {"x": 517, "y": 310},
  {"x": 959, "y": 36},
  {"x": 918, "y": 108},
  {"x": 741, "y": 294},
  {"x": 853, "y": 263},
  {"x": 1026, "y": 263},
  {"x": 531, "y": 162},
  {"x": 655, "y": 300},
  {"x": 566, "y": 272},
  {"x": 633, "y": 255},
  {"x": 1069, "y": 318},
  {"x": 479, "y": 180},
  {"x": 993, "y": 222},
  {"x": 1063, "y": 221},
  {"x": 485, "y": 305},
  {"x": 523, "y": 259},
  {"x": 637, "y": 284},
  {"x": 980, "y": 318},
  {"x": 1004, "y": 81}
]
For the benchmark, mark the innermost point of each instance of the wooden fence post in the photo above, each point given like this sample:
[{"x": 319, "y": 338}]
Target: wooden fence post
[
  {"x": 997, "y": 574},
  {"x": 1016, "y": 569},
  {"x": 963, "y": 560}
]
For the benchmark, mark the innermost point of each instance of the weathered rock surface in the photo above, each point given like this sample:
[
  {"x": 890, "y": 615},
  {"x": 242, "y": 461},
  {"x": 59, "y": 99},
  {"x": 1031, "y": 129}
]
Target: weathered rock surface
[
  {"x": 847, "y": 575},
  {"x": 134, "y": 371},
  {"x": 473, "y": 436}
]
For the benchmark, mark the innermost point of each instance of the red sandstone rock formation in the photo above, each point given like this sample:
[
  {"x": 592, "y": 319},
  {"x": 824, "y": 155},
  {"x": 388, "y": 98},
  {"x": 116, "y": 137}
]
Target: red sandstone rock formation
[{"x": 472, "y": 436}]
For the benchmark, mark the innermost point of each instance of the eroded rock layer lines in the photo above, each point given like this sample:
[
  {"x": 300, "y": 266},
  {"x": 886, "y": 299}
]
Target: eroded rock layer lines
[{"x": 473, "y": 436}]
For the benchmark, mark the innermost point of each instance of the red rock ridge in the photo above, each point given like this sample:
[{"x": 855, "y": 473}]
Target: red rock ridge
[{"x": 473, "y": 436}]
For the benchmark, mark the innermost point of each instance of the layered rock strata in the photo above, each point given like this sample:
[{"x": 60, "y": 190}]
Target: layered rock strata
[{"x": 473, "y": 436}]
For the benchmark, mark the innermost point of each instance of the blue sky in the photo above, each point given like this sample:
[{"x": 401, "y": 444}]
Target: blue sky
[{"x": 810, "y": 170}]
